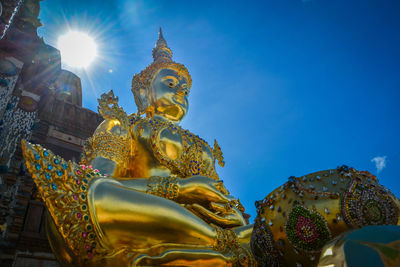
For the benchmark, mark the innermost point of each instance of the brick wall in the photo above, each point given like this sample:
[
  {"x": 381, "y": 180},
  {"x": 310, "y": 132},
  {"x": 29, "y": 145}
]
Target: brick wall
[{"x": 60, "y": 124}]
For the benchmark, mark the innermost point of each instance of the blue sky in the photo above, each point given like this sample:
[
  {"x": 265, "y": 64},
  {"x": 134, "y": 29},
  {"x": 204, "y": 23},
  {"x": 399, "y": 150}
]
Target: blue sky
[{"x": 287, "y": 87}]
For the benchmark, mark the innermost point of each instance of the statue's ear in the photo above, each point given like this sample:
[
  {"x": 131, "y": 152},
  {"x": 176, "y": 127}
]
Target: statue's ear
[
  {"x": 144, "y": 98},
  {"x": 142, "y": 93}
]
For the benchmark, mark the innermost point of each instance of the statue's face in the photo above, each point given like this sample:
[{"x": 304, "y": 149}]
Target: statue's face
[{"x": 169, "y": 94}]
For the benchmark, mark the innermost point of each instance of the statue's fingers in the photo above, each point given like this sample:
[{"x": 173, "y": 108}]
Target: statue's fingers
[
  {"x": 219, "y": 197},
  {"x": 231, "y": 212},
  {"x": 218, "y": 207},
  {"x": 214, "y": 218},
  {"x": 207, "y": 213}
]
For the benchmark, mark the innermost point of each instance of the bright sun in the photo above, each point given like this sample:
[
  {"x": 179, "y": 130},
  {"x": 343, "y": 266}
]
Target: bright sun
[{"x": 77, "y": 49}]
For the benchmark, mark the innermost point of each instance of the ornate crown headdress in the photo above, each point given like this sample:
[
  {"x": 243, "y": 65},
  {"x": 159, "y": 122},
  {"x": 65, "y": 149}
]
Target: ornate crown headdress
[{"x": 162, "y": 56}]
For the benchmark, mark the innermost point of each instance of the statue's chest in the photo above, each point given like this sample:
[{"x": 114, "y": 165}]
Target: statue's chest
[
  {"x": 184, "y": 153},
  {"x": 170, "y": 143}
]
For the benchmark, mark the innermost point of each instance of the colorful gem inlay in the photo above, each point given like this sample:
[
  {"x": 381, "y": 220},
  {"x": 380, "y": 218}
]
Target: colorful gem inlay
[
  {"x": 307, "y": 230},
  {"x": 262, "y": 245},
  {"x": 367, "y": 204}
]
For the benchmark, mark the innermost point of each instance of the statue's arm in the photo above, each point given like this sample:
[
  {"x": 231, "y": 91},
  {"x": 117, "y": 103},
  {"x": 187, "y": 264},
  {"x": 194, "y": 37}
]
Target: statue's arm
[
  {"x": 201, "y": 195},
  {"x": 196, "y": 189}
]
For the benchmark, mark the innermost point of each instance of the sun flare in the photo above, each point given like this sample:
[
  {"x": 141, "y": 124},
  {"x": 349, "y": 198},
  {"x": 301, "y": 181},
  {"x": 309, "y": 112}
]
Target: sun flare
[{"x": 77, "y": 49}]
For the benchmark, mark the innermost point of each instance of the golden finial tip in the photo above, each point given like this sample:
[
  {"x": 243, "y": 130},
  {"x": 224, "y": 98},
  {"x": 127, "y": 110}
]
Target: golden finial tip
[
  {"x": 161, "y": 52},
  {"x": 161, "y": 42}
]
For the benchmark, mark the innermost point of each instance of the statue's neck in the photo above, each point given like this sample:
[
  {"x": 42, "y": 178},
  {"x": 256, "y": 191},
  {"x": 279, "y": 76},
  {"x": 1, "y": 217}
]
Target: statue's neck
[{"x": 161, "y": 118}]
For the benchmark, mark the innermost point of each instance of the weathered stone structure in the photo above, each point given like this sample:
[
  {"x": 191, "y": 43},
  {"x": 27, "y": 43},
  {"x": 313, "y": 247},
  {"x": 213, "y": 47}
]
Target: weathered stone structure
[{"x": 40, "y": 102}]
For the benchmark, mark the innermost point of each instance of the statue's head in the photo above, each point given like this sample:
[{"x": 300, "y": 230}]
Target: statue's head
[{"x": 163, "y": 87}]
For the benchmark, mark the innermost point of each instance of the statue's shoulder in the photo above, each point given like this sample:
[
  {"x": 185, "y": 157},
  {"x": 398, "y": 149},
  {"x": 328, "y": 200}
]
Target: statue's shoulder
[
  {"x": 110, "y": 110},
  {"x": 112, "y": 137}
]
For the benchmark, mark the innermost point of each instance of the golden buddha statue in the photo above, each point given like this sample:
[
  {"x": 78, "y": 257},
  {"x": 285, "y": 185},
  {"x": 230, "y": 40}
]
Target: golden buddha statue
[{"x": 147, "y": 193}]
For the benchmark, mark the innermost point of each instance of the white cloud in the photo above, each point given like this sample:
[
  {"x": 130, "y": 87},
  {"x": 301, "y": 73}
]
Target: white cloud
[{"x": 380, "y": 163}]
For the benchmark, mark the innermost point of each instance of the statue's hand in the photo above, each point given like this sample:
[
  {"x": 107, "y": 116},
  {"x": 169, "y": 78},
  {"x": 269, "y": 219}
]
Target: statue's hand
[
  {"x": 225, "y": 215},
  {"x": 201, "y": 195},
  {"x": 201, "y": 190}
]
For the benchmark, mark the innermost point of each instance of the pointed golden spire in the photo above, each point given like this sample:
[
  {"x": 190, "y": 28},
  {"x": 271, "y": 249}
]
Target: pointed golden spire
[
  {"x": 161, "y": 41},
  {"x": 161, "y": 52}
]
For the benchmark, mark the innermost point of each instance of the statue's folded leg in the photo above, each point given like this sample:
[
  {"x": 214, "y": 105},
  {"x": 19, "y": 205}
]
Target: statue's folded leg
[
  {"x": 124, "y": 217},
  {"x": 184, "y": 258}
]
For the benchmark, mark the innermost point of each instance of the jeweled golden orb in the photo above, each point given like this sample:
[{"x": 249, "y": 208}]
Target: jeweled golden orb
[{"x": 296, "y": 220}]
